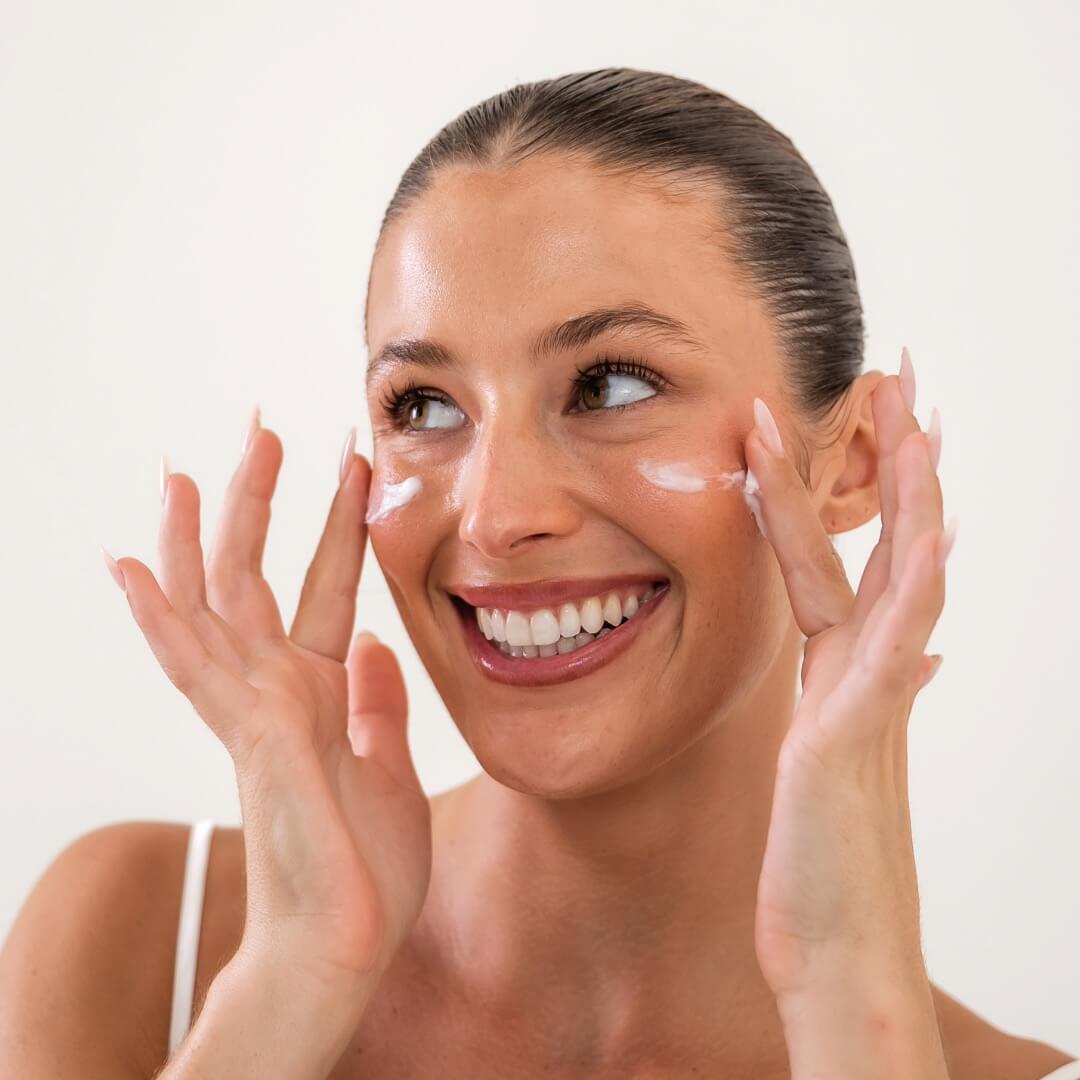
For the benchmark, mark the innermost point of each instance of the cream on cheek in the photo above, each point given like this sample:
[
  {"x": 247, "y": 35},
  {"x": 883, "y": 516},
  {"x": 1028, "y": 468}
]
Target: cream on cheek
[
  {"x": 391, "y": 497},
  {"x": 686, "y": 478}
]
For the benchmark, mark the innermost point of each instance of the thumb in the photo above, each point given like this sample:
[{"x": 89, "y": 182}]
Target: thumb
[{"x": 379, "y": 708}]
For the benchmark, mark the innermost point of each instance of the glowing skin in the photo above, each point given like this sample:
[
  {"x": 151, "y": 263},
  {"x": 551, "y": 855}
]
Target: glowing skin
[
  {"x": 394, "y": 497},
  {"x": 599, "y": 875},
  {"x": 683, "y": 477}
]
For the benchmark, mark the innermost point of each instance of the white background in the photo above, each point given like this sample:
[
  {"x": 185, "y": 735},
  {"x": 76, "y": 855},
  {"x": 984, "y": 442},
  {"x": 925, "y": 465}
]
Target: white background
[{"x": 189, "y": 195}]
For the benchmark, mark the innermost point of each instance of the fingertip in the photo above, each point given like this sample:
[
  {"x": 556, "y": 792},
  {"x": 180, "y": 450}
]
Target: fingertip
[
  {"x": 768, "y": 431},
  {"x": 114, "y": 569}
]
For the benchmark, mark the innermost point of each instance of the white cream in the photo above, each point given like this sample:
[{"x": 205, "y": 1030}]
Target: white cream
[
  {"x": 685, "y": 478},
  {"x": 752, "y": 495},
  {"x": 394, "y": 496}
]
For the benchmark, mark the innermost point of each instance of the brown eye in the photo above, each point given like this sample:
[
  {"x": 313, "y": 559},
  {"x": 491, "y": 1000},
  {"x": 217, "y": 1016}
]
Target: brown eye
[
  {"x": 595, "y": 393},
  {"x": 418, "y": 411}
]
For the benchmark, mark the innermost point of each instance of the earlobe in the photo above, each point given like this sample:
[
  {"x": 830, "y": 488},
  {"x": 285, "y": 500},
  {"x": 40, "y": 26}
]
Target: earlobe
[{"x": 850, "y": 480}]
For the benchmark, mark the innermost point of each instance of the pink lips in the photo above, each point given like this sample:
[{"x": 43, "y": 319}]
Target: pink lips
[{"x": 550, "y": 670}]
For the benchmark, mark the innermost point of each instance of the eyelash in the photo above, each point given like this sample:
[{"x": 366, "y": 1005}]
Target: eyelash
[{"x": 394, "y": 402}]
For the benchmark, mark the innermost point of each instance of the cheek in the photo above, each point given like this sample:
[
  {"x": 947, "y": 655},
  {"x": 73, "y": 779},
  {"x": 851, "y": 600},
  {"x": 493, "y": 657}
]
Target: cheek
[
  {"x": 388, "y": 498},
  {"x": 397, "y": 511}
]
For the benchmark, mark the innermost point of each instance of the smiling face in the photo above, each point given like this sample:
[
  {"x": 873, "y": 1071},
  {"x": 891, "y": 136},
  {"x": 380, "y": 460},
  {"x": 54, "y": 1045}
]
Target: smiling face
[{"x": 529, "y": 471}]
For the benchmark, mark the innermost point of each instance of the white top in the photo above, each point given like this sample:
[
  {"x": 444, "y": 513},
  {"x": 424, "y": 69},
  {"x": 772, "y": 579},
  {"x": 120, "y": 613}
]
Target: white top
[{"x": 187, "y": 944}]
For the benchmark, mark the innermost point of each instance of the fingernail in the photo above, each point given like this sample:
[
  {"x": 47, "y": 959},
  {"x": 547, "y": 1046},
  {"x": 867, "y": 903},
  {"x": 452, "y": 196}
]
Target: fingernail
[
  {"x": 114, "y": 569},
  {"x": 347, "y": 454},
  {"x": 907, "y": 379},
  {"x": 935, "y": 667},
  {"x": 933, "y": 436},
  {"x": 770, "y": 433},
  {"x": 163, "y": 476},
  {"x": 253, "y": 426},
  {"x": 367, "y": 634},
  {"x": 945, "y": 544}
]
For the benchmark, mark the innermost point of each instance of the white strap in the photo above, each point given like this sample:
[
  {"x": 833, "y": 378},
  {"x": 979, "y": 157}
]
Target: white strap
[
  {"x": 1066, "y": 1072},
  {"x": 187, "y": 936}
]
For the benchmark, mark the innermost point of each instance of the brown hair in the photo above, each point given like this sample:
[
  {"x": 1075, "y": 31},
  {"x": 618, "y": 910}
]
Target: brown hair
[{"x": 775, "y": 220}]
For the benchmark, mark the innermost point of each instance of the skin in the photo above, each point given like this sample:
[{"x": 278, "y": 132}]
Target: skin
[
  {"x": 599, "y": 876},
  {"x": 561, "y": 934}
]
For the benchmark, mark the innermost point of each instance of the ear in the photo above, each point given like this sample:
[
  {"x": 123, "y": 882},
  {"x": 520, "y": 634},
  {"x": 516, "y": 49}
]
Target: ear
[{"x": 846, "y": 486}]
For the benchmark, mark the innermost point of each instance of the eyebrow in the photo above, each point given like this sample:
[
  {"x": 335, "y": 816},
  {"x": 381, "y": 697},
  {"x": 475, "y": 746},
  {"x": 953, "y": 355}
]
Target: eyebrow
[{"x": 561, "y": 337}]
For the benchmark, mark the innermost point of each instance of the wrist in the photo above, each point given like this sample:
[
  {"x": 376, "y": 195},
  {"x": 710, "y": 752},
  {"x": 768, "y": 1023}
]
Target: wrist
[
  {"x": 863, "y": 1024},
  {"x": 263, "y": 1019}
]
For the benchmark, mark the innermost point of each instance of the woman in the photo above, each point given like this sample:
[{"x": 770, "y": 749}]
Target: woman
[{"x": 618, "y": 415}]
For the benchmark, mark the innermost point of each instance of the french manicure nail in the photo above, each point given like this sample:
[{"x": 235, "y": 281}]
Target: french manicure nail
[
  {"x": 163, "y": 476},
  {"x": 347, "y": 454},
  {"x": 907, "y": 379},
  {"x": 766, "y": 423},
  {"x": 945, "y": 544},
  {"x": 934, "y": 438},
  {"x": 253, "y": 426},
  {"x": 935, "y": 668},
  {"x": 114, "y": 569}
]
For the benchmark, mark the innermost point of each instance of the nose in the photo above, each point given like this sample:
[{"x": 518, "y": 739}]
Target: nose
[{"x": 515, "y": 490}]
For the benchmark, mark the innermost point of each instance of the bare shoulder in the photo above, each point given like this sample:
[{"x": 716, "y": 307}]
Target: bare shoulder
[
  {"x": 977, "y": 1050},
  {"x": 86, "y": 970}
]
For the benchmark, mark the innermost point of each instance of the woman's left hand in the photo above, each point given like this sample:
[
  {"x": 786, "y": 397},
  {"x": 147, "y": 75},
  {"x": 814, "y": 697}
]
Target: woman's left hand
[{"x": 838, "y": 896}]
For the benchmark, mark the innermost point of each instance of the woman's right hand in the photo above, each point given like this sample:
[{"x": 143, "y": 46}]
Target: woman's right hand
[{"x": 337, "y": 840}]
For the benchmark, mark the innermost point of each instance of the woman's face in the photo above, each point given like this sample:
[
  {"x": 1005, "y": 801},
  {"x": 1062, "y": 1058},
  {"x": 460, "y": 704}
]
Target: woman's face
[{"x": 525, "y": 476}]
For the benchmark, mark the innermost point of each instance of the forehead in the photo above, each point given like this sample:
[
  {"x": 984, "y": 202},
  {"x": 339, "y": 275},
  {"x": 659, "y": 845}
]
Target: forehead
[{"x": 497, "y": 252}]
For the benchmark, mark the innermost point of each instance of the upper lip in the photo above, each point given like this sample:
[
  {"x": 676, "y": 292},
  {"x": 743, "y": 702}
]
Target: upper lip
[{"x": 548, "y": 593}]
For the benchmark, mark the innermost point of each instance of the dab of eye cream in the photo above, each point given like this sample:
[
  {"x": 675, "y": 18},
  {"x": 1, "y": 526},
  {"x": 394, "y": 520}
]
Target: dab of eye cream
[
  {"x": 394, "y": 496},
  {"x": 685, "y": 478}
]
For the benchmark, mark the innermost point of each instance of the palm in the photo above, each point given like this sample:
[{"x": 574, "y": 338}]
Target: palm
[
  {"x": 358, "y": 839},
  {"x": 336, "y": 825}
]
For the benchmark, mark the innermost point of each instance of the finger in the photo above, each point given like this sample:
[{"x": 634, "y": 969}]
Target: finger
[
  {"x": 893, "y": 422},
  {"x": 182, "y": 577},
  {"x": 378, "y": 708},
  {"x": 919, "y": 508},
  {"x": 326, "y": 611},
  {"x": 881, "y": 680},
  {"x": 817, "y": 584},
  {"x": 235, "y": 585},
  {"x": 223, "y": 700}
]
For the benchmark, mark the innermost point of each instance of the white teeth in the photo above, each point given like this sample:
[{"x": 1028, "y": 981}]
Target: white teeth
[
  {"x": 550, "y": 632},
  {"x": 517, "y": 629},
  {"x": 544, "y": 627},
  {"x": 612, "y": 609},
  {"x": 592, "y": 615},
  {"x": 569, "y": 621}
]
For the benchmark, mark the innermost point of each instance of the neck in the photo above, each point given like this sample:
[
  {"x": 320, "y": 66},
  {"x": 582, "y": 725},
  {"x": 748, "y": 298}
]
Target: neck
[{"x": 623, "y": 921}]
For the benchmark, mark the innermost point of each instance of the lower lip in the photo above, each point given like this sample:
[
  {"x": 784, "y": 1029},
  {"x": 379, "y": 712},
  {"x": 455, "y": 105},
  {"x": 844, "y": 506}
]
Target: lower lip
[{"x": 549, "y": 670}]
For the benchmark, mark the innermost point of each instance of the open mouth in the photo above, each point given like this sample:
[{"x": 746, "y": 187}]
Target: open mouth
[{"x": 594, "y": 643}]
